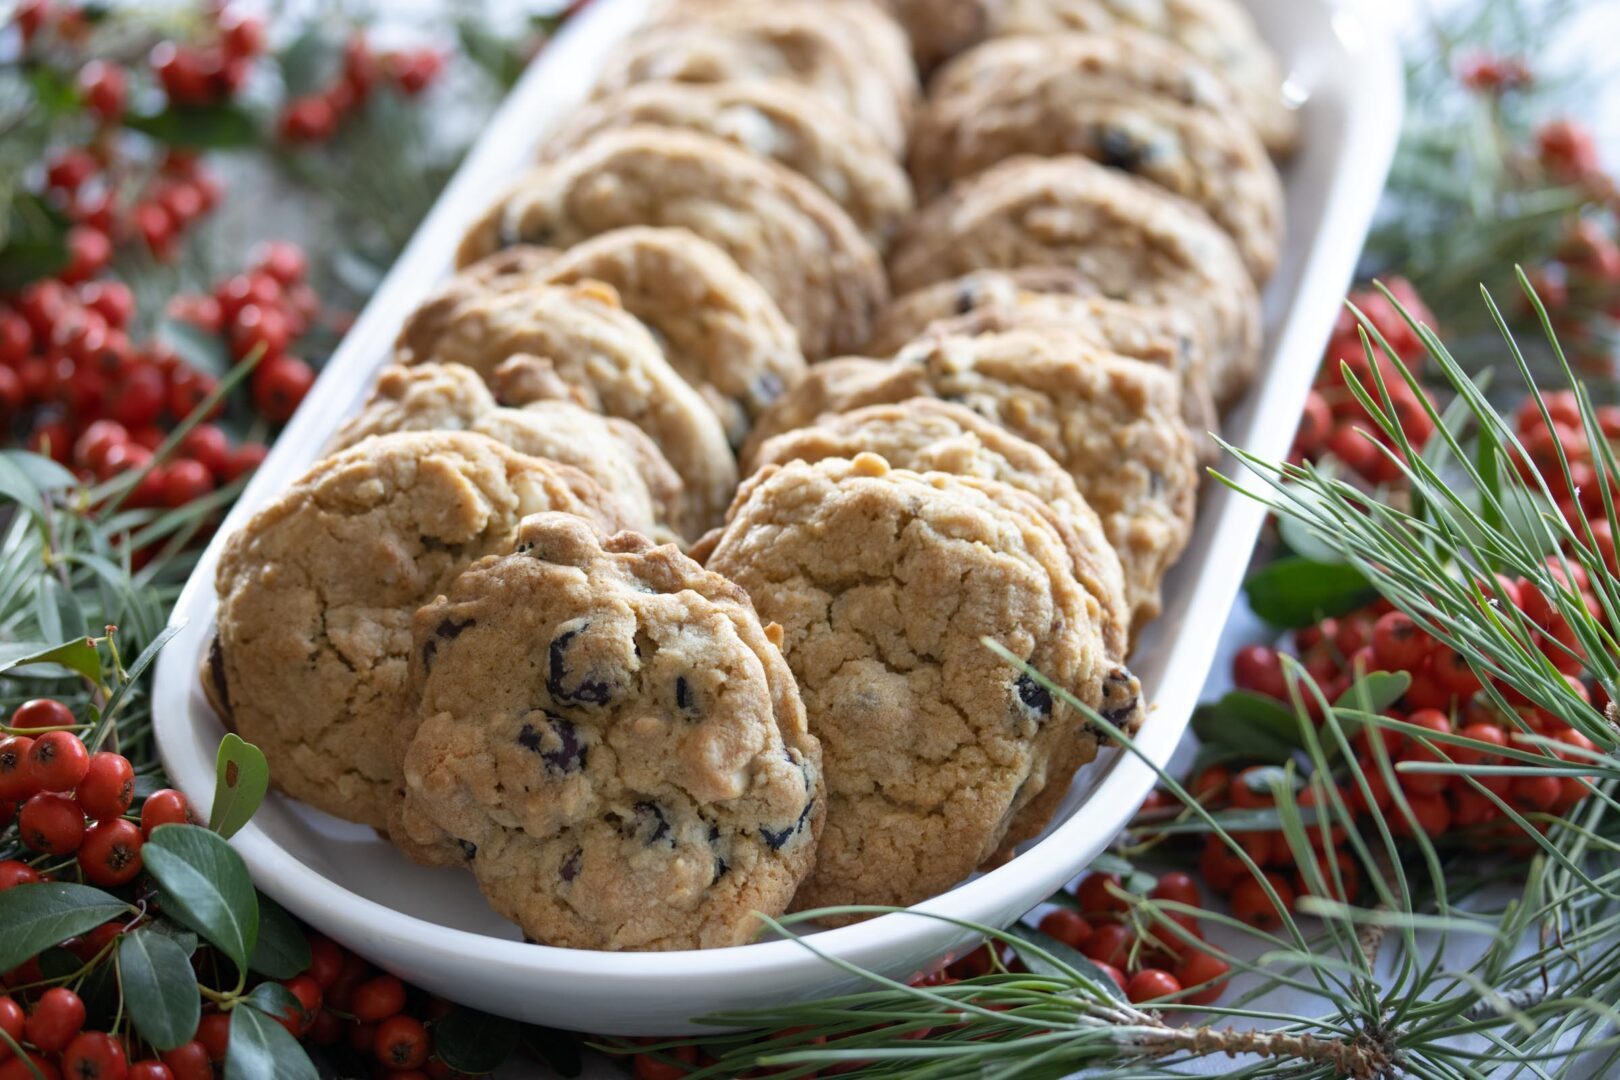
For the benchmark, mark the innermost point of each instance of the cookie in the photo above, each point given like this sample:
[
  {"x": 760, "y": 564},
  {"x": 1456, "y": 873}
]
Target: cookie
[
  {"x": 1112, "y": 423},
  {"x": 612, "y": 743},
  {"x": 615, "y": 453},
  {"x": 780, "y": 228},
  {"x": 1127, "y": 238},
  {"x": 317, "y": 591},
  {"x": 772, "y": 119},
  {"x": 1218, "y": 33},
  {"x": 1125, "y": 99},
  {"x": 925, "y": 435},
  {"x": 602, "y": 358},
  {"x": 847, "y": 52},
  {"x": 885, "y": 583},
  {"x": 990, "y": 301}
]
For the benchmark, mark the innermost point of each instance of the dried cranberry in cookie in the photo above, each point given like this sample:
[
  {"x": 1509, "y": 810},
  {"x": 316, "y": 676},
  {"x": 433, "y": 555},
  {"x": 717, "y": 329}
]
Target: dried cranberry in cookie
[
  {"x": 885, "y": 582},
  {"x": 317, "y": 591},
  {"x": 612, "y": 743}
]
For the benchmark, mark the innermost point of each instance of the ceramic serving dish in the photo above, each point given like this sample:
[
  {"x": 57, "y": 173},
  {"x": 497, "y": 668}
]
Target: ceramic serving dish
[{"x": 432, "y": 927}]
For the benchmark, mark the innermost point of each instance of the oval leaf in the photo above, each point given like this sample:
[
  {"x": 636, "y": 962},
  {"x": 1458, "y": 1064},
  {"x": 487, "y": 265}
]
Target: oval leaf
[
  {"x": 79, "y": 655},
  {"x": 261, "y": 1049},
  {"x": 38, "y": 916},
  {"x": 474, "y": 1042},
  {"x": 1296, "y": 592},
  {"x": 282, "y": 950},
  {"x": 160, "y": 989},
  {"x": 1039, "y": 965},
  {"x": 1262, "y": 727},
  {"x": 1374, "y": 692},
  {"x": 203, "y": 126},
  {"x": 241, "y": 778},
  {"x": 275, "y": 1001},
  {"x": 206, "y": 887}
]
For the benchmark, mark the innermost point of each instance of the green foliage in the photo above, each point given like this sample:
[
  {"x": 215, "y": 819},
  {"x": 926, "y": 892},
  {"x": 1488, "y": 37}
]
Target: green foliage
[
  {"x": 241, "y": 779},
  {"x": 159, "y": 987},
  {"x": 205, "y": 887},
  {"x": 45, "y": 914}
]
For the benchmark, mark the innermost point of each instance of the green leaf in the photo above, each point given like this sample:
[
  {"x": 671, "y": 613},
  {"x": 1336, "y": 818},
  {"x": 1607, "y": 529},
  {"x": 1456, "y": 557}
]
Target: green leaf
[
  {"x": 40, "y": 471},
  {"x": 34, "y": 244},
  {"x": 38, "y": 916},
  {"x": 206, "y": 887},
  {"x": 174, "y": 932},
  {"x": 241, "y": 779},
  {"x": 275, "y": 1001},
  {"x": 1296, "y": 591},
  {"x": 261, "y": 1049},
  {"x": 58, "y": 608},
  {"x": 282, "y": 950},
  {"x": 475, "y": 1042},
  {"x": 209, "y": 127},
  {"x": 1041, "y": 966},
  {"x": 54, "y": 94},
  {"x": 160, "y": 989},
  {"x": 1262, "y": 727},
  {"x": 1374, "y": 691},
  {"x": 79, "y": 655}
]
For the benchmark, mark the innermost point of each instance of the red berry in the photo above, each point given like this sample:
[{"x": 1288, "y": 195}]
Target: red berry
[
  {"x": 1567, "y": 149},
  {"x": 16, "y": 779},
  {"x": 1251, "y": 904},
  {"x": 401, "y": 1042},
  {"x": 1257, "y": 668},
  {"x": 136, "y": 400},
  {"x": 51, "y": 823},
  {"x": 283, "y": 261},
  {"x": 150, "y": 1070},
  {"x": 156, "y": 226},
  {"x": 1398, "y": 643},
  {"x": 1150, "y": 984},
  {"x": 1109, "y": 943},
  {"x": 14, "y": 873},
  {"x": 88, "y": 252},
  {"x": 111, "y": 852},
  {"x": 188, "y": 389},
  {"x": 184, "y": 481},
  {"x": 208, "y": 445},
  {"x": 16, "y": 338},
  {"x": 69, "y": 168},
  {"x": 243, "y": 460},
  {"x": 95, "y": 1055},
  {"x": 325, "y": 961},
  {"x": 1177, "y": 886},
  {"x": 1425, "y": 783},
  {"x": 417, "y": 71},
  {"x": 189, "y": 1061},
  {"x": 1201, "y": 967},
  {"x": 1452, "y": 672},
  {"x": 1432, "y": 812},
  {"x": 13, "y": 396},
  {"x": 122, "y": 458},
  {"x": 1480, "y": 732},
  {"x": 241, "y": 34},
  {"x": 38, "y": 714},
  {"x": 279, "y": 385},
  {"x": 308, "y": 119},
  {"x": 378, "y": 999},
  {"x": 56, "y": 1017},
  {"x": 183, "y": 202},
  {"x": 182, "y": 72},
  {"x": 95, "y": 441},
  {"x": 259, "y": 328},
  {"x": 648, "y": 1067},
  {"x": 214, "y": 1033},
  {"x": 58, "y": 761},
  {"x": 1095, "y": 896},
  {"x": 1069, "y": 927},
  {"x": 103, "y": 88},
  {"x": 11, "y": 1022},
  {"x": 165, "y": 807},
  {"x": 1530, "y": 792}
]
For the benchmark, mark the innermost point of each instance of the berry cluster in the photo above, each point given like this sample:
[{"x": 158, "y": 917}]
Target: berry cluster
[
  {"x": 1560, "y": 437},
  {"x": 262, "y": 312},
  {"x": 1334, "y": 422},
  {"x": 67, "y": 801},
  {"x": 313, "y": 118},
  {"x": 1147, "y": 962}
]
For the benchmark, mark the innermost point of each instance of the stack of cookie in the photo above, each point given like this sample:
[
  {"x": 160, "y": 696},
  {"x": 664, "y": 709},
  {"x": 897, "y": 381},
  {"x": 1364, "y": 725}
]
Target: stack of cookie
[{"x": 473, "y": 626}]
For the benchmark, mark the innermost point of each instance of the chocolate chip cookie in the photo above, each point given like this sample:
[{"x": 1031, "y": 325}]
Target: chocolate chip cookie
[
  {"x": 848, "y": 52},
  {"x": 771, "y": 119},
  {"x": 317, "y": 591},
  {"x": 778, "y": 226},
  {"x": 1126, "y": 100},
  {"x": 989, "y": 301},
  {"x": 1219, "y": 33},
  {"x": 603, "y": 358},
  {"x": 927, "y": 435},
  {"x": 1129, "y": 239},
  {"x": 612, "y": 743},
  {"x": 1113, "y": 424},
  {"x": 613, "y": 452},
  {"x": 885, "y": 583}
]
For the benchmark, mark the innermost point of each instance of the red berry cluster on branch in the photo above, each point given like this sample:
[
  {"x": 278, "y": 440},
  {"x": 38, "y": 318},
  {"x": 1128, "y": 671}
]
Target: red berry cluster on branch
[{"x": 314, "y": 118}]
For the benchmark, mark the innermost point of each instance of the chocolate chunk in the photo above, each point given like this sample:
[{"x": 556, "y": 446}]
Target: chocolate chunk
[
  {"x": 447, "y": 630},
  {"x": 1033, "y": 696},
  {"x": 216, "y": 672},
  {"x": 468, "y": 848},
  {"x": 775, "y": 840},
  {"x": 685, "y": 699},
  {"x": 1122, "y": 697},
  {"x": 564, "y": 752},
  {"x": 650, "y": 825},
  {"x": 1117, "y": 149},
  {"x": 570, "y": 867},
  {"x": 591, "y": 689}
]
